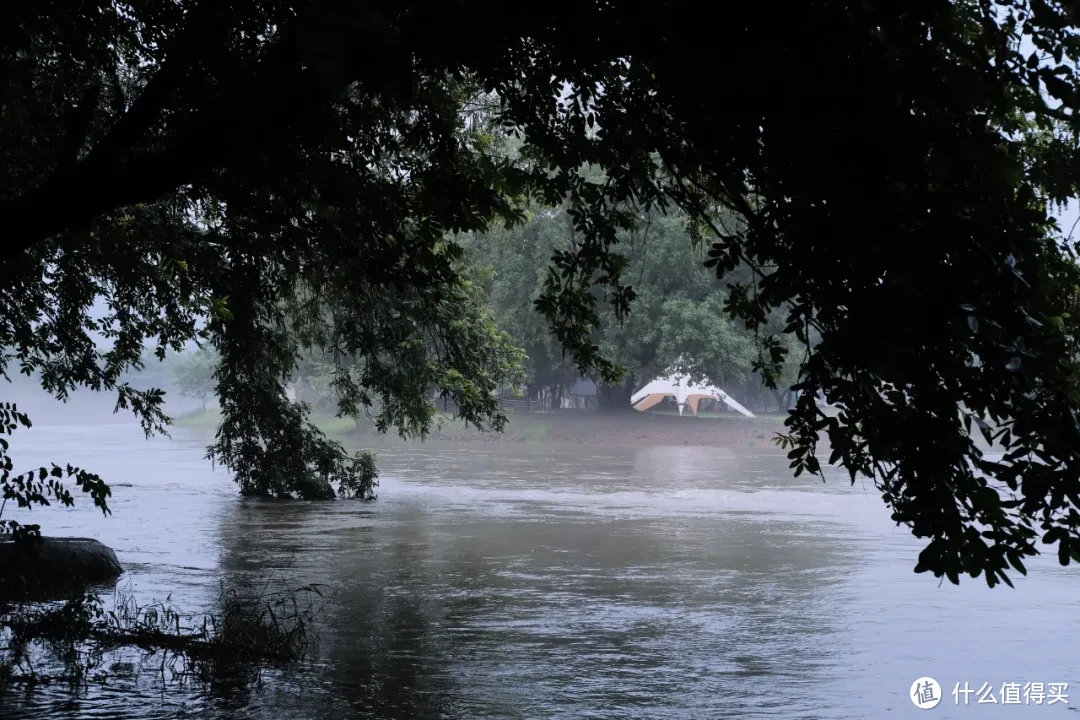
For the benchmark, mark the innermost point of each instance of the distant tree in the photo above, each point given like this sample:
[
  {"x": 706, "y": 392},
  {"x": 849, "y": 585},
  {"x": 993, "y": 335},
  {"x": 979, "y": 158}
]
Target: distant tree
[
  {"x": 704, "y": 343},
  {"x": 676, "y": 316},
  {"x": 194, "y": 374},
  {"x": 313, "y": 380},
  {"x": 511, "y": 263}
]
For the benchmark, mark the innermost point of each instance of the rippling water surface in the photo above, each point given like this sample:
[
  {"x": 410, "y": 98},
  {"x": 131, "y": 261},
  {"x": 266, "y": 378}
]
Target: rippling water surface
[{"x": 515, "y": 581}]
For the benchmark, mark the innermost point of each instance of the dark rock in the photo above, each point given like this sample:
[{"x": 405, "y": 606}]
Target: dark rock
[{"x": 55, "y": 565}]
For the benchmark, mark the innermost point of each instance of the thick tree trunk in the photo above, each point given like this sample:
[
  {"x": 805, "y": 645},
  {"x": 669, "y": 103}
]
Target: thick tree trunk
[
  {"x": 615, "y": 398},
  {"x": 783, "y": 399}
]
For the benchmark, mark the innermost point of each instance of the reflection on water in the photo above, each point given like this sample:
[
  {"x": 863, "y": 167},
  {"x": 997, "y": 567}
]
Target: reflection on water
[{"x": 532, "y": 582}]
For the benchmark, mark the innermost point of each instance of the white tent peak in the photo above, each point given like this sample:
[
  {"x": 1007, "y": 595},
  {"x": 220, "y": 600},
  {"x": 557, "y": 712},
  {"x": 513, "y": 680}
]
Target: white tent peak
[{"x": 685, "y": 392}]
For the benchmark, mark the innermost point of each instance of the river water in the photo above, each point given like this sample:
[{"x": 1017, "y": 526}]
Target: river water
[{"x": 518, "y": 581}]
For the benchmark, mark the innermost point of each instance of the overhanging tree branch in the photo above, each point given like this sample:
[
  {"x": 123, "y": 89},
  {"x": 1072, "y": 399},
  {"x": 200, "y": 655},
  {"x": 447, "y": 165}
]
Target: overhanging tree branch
[{"x": 311, "y": 64}]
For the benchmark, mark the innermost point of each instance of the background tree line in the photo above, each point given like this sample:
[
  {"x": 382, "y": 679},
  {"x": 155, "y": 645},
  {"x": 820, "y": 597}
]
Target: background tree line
[{"x": 676, "y": 321}]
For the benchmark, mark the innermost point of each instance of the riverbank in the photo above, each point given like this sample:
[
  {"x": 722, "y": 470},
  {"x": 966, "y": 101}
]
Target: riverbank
[{"x": 630, "y": 428}]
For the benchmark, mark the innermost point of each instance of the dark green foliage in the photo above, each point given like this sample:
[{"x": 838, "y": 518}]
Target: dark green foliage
[
  {"x": 363, "y": 477},
  {"x": 351, "y": 207},
  {"x": 881, "y": 172},
  {"x": 882, "y": 207},
  {"x": 313, "y": 487}
]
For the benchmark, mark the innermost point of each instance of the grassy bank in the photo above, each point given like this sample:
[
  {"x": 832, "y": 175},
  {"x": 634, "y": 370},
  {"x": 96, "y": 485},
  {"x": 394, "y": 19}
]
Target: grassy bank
[
  {"x": 629, "y": 428},
  {"x": 207, "y": 421}
]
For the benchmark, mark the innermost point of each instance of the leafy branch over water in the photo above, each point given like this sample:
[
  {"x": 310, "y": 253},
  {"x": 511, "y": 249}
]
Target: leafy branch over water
[{"x": 40, "y": 486}]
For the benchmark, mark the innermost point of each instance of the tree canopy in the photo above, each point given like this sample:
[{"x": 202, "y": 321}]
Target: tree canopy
[
  {"x": 676, "y": 319},
  {"x": 299, "y": 173}
]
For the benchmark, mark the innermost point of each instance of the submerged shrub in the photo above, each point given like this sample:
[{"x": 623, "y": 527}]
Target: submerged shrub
[{"x": 73, "y": 640}]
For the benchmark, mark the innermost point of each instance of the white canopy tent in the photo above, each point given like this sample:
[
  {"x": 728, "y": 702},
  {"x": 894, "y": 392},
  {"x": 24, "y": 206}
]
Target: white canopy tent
[{"x": 686, "y": 394}]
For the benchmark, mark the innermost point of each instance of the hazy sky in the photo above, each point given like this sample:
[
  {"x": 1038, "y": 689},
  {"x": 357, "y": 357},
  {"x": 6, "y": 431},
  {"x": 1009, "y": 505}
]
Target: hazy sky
[{"x": 1068, "y": 218}]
